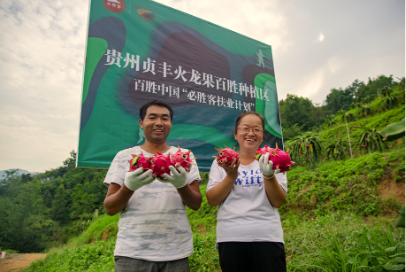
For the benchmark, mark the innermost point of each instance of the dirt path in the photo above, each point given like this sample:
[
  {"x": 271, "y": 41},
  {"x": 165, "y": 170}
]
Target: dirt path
[{"x": 19, "y": 261}]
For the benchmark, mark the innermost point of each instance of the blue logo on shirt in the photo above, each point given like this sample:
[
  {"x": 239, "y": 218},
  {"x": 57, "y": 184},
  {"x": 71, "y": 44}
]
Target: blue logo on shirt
[{"x": 249, "y": 178}]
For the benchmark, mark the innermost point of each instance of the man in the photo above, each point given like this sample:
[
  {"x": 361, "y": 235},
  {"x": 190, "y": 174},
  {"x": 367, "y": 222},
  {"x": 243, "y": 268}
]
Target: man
[{"x": 154, "y": 232}]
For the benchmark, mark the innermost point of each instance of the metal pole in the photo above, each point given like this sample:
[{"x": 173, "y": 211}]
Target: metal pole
[{"x": 348, "y": 134}]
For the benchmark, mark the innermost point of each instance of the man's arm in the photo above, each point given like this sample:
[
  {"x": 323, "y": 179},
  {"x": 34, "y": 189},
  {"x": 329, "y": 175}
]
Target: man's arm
[
  {"x": 191, "y": 196},
  {"x": 117, "y": 198}
]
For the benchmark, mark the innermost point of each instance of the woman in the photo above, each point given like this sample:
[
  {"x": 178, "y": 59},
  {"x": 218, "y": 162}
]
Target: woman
[{"x": 249, "y": 231}]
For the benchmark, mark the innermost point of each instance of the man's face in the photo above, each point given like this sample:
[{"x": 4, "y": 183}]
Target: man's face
[{"x": 156, "y": 124}]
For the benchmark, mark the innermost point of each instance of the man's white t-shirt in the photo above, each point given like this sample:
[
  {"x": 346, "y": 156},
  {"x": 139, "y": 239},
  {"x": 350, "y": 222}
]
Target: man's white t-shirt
[
  {"x": 154, "y": 225},
  {"x": 246, "y": 215}
]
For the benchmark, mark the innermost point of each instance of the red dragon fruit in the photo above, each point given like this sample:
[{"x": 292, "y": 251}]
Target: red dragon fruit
[
  {"x": 280, "y": 159},
  {"x": 227, "y": 154},
  {"x": 138, "y": 161},
  {"x": 264, "y": 150},
  {"x": 160, "y": 165},
  {"x": 182, "y": 159}
]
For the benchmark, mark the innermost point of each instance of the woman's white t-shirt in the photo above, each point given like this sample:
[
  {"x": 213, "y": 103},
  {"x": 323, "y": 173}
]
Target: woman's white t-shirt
[{"x": 246, "y": 215}]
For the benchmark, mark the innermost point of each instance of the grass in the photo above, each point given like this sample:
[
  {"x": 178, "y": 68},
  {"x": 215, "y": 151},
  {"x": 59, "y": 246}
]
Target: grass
[
  {"x": 350, "y": 185},
  {"x": 343, "y": 242},
  {"x": 324, "y": 223}
]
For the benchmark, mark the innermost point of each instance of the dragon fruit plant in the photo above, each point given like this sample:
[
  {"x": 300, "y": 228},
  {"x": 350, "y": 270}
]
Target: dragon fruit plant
[
  {"x": 182, "y": 159},
  {"x": 227, "y": 154},
  {"x": 280, "y": 159},
  {"x": 160, "y": 165},
  {"x": 138, "y": 161}
]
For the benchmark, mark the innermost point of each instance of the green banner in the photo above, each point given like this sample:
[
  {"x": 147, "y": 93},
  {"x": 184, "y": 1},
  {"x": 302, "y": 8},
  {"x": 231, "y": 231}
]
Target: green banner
[{"x": 138, "y": 51}]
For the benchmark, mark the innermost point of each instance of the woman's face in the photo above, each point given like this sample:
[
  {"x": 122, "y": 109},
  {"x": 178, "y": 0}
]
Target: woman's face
[{"x": 249, "y": 134}]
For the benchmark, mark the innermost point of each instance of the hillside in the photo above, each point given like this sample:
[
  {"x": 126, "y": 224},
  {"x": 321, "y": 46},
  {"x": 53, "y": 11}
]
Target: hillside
[
  {"x": 16, "y": 172},
  {"x": 339, "y": 211},
  {"x": 345, "y": 200}
]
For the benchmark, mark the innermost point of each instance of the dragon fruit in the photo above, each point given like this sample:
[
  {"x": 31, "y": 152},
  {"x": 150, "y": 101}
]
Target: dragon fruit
[
  {"x": 138, "y": 161},
  {"x": 264, "y": 150},
  {"x": 182, "y": 159},
  {"x": 280, "y": 159},
  {"x": 160, "y": 165},
  {"x": 227, "y": 154}
]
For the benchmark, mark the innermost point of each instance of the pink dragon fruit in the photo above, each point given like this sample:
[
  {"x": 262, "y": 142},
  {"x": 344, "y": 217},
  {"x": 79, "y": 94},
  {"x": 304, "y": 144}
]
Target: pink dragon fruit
[
  {"x": 227, "y": 154},
  {"x": 182, "y": 159},
  {"x": 138, "y": 161},
  {"x": 264, "y": 150},
  {"x": 160, "y": 165},
  {"x": 280, "y": 159}
]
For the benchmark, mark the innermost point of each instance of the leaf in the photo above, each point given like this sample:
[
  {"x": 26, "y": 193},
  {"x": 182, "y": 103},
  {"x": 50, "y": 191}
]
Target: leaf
[
  {"x": 390, "y": 249},
  {"x": 395, "y": 267},
  {"x": 365, "y": 262},
  {"x": 398, "y": 260}
]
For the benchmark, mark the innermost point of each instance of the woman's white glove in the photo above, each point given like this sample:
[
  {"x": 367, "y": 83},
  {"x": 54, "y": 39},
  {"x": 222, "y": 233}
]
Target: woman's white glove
[
  {"x": 137, "y": 179},
  {"x": 178, "y": 178},
  {"x": 267, "y": 166}
]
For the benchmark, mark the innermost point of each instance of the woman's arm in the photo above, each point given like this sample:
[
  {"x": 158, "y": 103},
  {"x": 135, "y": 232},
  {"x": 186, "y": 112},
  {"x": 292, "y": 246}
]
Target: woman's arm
[
  {"x": 274, "y": 191},
  {"x": 217, "y": 194}
]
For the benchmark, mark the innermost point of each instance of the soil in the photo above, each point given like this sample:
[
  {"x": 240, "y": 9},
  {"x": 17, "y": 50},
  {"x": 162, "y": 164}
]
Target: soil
[
  {"x": 390, "y": 188},
  {"x": 16, "y": 262},
  {"x": 105, "y": 235}
]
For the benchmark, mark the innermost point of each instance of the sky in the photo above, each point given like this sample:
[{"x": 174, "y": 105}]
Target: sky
[{"x": 317, "y": 45}]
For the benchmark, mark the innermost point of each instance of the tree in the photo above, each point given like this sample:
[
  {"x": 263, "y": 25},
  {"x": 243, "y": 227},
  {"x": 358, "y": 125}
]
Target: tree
[
  {"x": 366, "y": 110},
  {"x": 371, "y": 140},
  {"x": 367, "y": 99},
  {"x": 59, "y": 210},
  {"x": 385, "y": 91},
  {"x": 339, "y": 99},
  {"x": 292, "y": 132},
  {"x": 330, "y": 121},
  {"x": 337, "y": 150},
  {"x": 388, "y": 102},
  {"x": 297, "y": 110},
  {"x": 307, "y": 145},
  {"x": 355, "y": 105}
]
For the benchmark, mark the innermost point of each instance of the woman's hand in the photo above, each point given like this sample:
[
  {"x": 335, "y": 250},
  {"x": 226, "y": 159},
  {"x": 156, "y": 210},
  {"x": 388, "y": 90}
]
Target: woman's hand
[
  {"x": 217, "y": 194},
  {"x": 276, "y": 195},
  {"x": 232, "y": 170},
  {"x": 266, "y": 167}
]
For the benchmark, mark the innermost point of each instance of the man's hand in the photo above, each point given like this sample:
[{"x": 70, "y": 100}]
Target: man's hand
[
  {"x": 267, "y": 166},
  {"x": 137, "y": 179},
  {"x": 178, "y": 178}
]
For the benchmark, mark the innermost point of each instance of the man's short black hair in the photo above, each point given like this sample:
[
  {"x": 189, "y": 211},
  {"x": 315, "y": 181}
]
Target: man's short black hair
[{"x": 143, "y": 110}]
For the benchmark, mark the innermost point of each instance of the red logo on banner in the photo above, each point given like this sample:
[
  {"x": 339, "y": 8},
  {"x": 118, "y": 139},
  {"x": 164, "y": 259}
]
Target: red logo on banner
[
  {"x": 114, "y": 5},
  {"x": 145, "y": 14}
]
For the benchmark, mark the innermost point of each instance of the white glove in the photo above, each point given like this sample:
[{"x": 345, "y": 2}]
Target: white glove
[
  {"x": 137, "y": 179},
  {"x": 267, "y": 166},
  {"x": 178, "y": 179}
]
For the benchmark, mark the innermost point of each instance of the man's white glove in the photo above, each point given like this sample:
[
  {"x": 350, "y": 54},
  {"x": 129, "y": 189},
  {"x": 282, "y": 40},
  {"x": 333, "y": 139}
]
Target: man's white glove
[
  {"x": 137, "y": 179},
  {"x": 267, "y": 166},
  {"x": 178, "y": 178}
]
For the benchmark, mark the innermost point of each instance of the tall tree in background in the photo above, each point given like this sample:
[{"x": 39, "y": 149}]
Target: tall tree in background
[
  {"x": 339, "y": 99},
  {"x": 58, "y": 211},
  {"x": 297, "y": 110}
]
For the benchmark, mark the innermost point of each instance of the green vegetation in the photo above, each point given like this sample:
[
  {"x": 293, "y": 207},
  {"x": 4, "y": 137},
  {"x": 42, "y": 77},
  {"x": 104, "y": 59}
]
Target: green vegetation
[
  {"x": 349, "y": 185},
  {"x": 46, "y": 210},
  {"x": 338, "y": 241},
  {"x": 334, "y": 217}
]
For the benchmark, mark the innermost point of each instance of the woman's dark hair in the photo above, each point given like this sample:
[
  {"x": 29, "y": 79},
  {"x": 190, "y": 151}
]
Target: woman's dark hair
[
  {"x": 245, "y": 113},
  {"x": 160, "y": 103}
]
